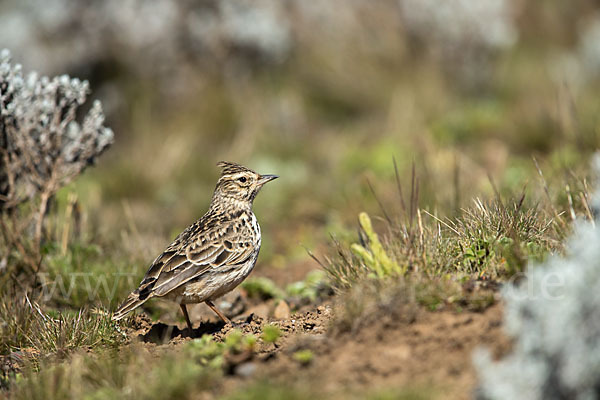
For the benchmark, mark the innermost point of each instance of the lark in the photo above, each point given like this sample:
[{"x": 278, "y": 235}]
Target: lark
[{"x": 212, "y": 256}]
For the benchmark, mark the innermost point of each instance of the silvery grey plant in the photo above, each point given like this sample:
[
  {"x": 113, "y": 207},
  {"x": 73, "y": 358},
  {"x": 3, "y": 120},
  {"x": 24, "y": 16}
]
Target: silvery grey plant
[
  {"x": 161, "y": 37},
  {"x": 151, "y": 37},
  {"x": 554, "y": 318},
  {"x": 43, "y": 146}
]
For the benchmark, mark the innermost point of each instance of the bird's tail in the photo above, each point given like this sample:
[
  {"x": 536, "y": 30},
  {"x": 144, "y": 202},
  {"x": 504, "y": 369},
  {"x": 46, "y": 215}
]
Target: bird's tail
[{"x": 132, "y": 302}]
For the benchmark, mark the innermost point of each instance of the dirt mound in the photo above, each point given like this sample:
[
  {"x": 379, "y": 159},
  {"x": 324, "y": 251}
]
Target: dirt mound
[{"x": 432, "y": 350}]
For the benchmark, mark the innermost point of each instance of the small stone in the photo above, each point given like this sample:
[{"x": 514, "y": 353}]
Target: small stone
[
  {"x": 282, "y": 311},
  {"x": 261, "y": 310},
  {"x": 232, "y": 304},
  {"x": 245, "y": 370}
]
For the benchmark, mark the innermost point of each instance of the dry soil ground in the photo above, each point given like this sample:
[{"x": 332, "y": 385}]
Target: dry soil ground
[{"x": 430, "y": 351}]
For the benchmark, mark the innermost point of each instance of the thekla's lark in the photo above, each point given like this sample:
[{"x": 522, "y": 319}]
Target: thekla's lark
[{"x": 213, "y": 255}]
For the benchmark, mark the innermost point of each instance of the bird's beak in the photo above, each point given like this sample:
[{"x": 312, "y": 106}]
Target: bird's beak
[{"x": 266, "y": 178}]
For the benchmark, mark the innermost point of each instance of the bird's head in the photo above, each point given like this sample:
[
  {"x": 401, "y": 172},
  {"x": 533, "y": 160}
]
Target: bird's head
[{"x": 238, "y": 185}]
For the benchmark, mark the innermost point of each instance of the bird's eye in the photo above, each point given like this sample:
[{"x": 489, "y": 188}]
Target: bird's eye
[{"x": 242, "y": 179}]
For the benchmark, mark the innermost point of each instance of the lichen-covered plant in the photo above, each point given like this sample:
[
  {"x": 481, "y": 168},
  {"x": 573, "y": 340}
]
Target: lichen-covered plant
[
  {"x": 554, "y": 318},
  {"x": 43, "y": 146}
]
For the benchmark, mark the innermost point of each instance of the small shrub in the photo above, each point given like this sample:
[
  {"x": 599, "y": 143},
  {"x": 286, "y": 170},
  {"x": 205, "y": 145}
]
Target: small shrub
[{"x": 43, "y": 146}]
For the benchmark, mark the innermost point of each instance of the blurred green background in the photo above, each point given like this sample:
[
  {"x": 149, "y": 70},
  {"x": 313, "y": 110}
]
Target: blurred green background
[{"x": 324, "y": 94}]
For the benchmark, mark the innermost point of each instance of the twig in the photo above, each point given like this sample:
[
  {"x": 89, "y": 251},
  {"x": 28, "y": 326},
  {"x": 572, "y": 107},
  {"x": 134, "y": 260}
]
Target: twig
[
  {"x": 547, "y": 191},
  {"x": 441, "y": 222},
  {"x": 385, "y": 214},
  {"x": 399, "y": 186},
  {"x": 586, "y": 207},
  {"x": 570, "y": 199}
]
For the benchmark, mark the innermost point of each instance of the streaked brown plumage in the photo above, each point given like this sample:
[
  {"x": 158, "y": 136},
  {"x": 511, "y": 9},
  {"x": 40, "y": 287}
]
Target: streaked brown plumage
[{"x": 213, "y": 255}]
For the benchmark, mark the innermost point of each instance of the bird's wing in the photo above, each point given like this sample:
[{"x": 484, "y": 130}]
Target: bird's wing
[{"x": 194, "y": 252}]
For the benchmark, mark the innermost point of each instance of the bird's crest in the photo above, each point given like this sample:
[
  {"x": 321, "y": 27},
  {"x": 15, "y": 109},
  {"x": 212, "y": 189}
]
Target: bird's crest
[{"x": 230, "y": 168}]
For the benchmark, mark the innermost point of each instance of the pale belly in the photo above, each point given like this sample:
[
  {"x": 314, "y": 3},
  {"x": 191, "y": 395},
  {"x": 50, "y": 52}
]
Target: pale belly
[{"x": 212, "y": 284}]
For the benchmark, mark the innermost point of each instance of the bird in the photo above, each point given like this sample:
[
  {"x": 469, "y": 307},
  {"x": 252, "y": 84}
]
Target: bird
[{"x": 214, "y": 254}]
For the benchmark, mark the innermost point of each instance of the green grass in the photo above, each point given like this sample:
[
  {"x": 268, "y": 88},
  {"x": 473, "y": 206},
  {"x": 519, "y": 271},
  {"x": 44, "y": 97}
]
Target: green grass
[
  {"x": 420, "y": 258},
  {"x": 133, "y": 372},
  {"x": 491, "y": 239},
  {"x": 26, "y": 325},
  {"x": 87, "y": 274}
]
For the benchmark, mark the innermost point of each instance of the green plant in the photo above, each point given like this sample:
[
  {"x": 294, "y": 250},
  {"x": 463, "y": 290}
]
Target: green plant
[
  {"x": 373, "y": 254},
  {"x": 304, "y": 356},
  {"x": 236, "y": 341},
  {"x": 476, "y": 257},
  {"x": 271, "y": 333},
  {"x": 309, "y": 287},
  {"x": 206, "y": 352},
  {"x": 262, "y": 287}
]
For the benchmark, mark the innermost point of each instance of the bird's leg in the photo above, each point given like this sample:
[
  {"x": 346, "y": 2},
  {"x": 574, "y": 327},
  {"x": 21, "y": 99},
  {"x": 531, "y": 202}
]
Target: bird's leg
[
  {"x": 187, "y": 317},
  {"x": 216, "y": 310}
]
